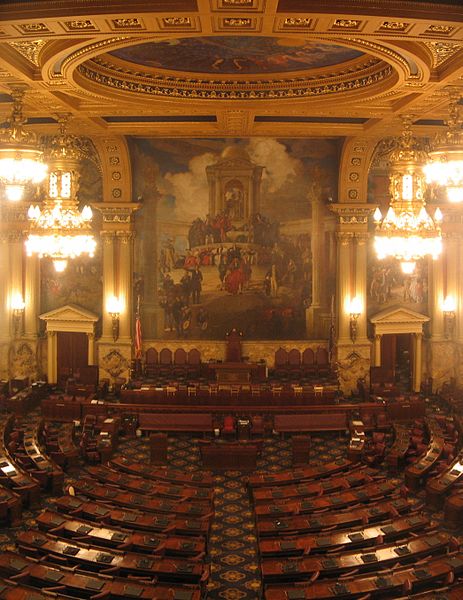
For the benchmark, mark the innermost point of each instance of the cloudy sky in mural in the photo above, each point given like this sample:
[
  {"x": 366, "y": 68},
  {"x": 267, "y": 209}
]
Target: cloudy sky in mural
[{"x": 292, "y": 171}]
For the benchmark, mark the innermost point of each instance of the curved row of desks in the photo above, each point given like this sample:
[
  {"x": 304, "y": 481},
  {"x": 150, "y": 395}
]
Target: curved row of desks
[
  {"x": 416, "y": 474},
  {"x": 62, "y": 581}
]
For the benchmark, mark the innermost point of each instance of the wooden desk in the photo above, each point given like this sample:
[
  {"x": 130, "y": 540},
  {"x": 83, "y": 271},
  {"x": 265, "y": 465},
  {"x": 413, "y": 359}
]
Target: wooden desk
[
  {"x": 416, "y": 473},
  {"x": 151, "y": 488},
  {"x": 97, "y": 559},
  {"x": 375, "y": 559},
  {"x": 360, "y": 537},
  {"x": 199, "y": 478},
  {"x": 313, "y": 488},
  {"x": 300, "y": 474},
  {"x": 362, "y": 494},
  {"x": 384, "y": 585},
  {"x": 375, "y": 512},
  {"x": 91, "y": 533},
  {"x": 130, "y": 500},
  {"x": 398, "y": 451},
  {"x": 438, "y": 488},
  {"x": 223, "y": 456},
  {"x": 133, "y": 519}
]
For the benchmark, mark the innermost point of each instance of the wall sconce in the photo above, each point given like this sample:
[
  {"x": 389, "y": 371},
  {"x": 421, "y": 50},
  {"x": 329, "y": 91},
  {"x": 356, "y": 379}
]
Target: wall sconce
[
  {"x": 354, "y": 308},
  {"x": 17, "y": 306},
  {"x": 448, "y": 308},
  {"x": 113, "y": 306}
]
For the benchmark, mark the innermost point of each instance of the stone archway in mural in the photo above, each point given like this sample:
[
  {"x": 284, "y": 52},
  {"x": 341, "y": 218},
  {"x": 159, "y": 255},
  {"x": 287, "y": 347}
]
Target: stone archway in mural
[
  {"x": 399, "y": 320},
  {"x": 69, "y": 318}
]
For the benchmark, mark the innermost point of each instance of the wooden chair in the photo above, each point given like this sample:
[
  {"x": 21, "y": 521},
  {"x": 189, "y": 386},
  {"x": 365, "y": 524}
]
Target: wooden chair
[
  {"x": 180, "y": 357},
  {"x": 294, "y": 358},
  {"x": 165, "y": 356}
]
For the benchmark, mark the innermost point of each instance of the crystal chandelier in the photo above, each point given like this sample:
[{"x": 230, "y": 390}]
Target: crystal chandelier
[
  {"x": 60, "y": 230},
  {"x": 407, "y": 232},
  {"x": 20, "y": 158},
  {"x": 446, "y": 166}
]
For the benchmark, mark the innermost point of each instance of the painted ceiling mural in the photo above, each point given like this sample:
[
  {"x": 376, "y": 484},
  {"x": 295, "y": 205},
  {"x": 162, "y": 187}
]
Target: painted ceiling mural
[
  {"x": 236, "y": 54},
  {"x": 223, "y": 238}
]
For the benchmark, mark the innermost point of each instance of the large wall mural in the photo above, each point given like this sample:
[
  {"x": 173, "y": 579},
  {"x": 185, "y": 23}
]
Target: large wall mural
[{"x": 224, "y": 234}]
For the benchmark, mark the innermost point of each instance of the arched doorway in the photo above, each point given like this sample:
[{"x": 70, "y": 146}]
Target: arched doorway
[
  {"x": 398, "y": 338},
  {"x": 70, "y": 340}
]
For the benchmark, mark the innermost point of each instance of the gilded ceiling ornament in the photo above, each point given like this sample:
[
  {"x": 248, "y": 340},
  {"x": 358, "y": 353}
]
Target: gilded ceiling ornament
[
  {"x": 240, "y": 3},
  {"x": 446, "y": 29},
  {"x": 297, "y": 22},
  {"x": 177, "y": 21},
  {"x": 30, "y": 49},
  {"x": 442, "y": 51},
  {"x": 393, "y": 26},
  {"x": 346, "y": 23},
  {"x": 33, "y": 27},
  {"x": 237, "y": 22},
  {"x": 127, "y": 23},
  {"x": 78, "y": 25}
]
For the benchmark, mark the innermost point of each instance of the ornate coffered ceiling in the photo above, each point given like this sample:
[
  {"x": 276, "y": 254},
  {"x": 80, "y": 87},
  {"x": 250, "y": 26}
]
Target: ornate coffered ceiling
[{"x": 233, "y": 67}]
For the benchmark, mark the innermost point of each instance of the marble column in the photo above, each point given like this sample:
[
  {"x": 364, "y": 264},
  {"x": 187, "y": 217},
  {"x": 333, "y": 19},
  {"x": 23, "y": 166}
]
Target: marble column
[
  {"x": 417, "y": 362},
  {"x": 437, "y": 298},
  {"x": 377, "y": 350},
  {"x": 125, "y": 239},
  {"x": 52, "y": 357},
  {"x": 16, "y": 276},
  {"x": 91, "y": 348},
  {"x": 316, "y": 241},
  {"x": 361, "y": 283},
  {"x": 4, "y": 288},
  {"x": 344, "y": 285},
  {"x": 109, "y": 283},
  {"x": 31, "y": 296}
]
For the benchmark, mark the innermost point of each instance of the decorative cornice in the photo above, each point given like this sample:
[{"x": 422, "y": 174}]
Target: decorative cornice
[
  {"x": 116, "y": 213},
  {"x": 372, "y": 73},
  {"x": 352, "y": 214}
]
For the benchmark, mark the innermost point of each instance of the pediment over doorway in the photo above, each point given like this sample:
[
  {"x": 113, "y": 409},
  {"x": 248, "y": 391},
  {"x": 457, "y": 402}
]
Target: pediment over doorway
[
  {"x": 398, "y": 319},
  {"x": 70, "y": 318}
]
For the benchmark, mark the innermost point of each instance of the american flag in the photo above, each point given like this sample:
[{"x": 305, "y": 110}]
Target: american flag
[{"x": 138, "y": 337}]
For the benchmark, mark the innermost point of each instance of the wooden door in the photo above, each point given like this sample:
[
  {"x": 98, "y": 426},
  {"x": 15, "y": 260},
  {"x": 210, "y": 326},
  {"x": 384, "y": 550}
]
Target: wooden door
[
  {"x": 388, "y": 355},
  {"x": 72, "y": 353}
]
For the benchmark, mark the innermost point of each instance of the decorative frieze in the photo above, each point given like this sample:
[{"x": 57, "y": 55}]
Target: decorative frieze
[
  {"x": 177, "y": 87},
  {"x": 297, "y": 22}
]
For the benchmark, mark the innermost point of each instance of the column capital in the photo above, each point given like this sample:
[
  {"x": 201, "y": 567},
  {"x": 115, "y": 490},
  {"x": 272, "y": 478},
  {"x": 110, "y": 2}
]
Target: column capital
[
  {"x": 345, "y": 237},
  {"x": 116, "y": 212},
  {"x": 352, "y": 214},
  {"x": 125, "y": 236}
]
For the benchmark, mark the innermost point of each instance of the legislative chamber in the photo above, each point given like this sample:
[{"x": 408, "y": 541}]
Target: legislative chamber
[{"x": 231, "y": 299}]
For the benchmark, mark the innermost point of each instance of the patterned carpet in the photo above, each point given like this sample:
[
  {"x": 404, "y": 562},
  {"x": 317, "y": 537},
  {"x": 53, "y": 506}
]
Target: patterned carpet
[{"x": 232, "y": 551}]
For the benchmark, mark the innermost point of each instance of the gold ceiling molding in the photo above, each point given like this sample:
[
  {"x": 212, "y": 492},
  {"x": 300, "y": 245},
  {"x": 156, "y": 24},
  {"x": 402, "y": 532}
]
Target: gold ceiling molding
[
  {"x": 30, "y": 49},
  {"x": 361, "y": 75},
  {"x": 91, "y": 49},
  {"x": 381, "y": 50}
]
